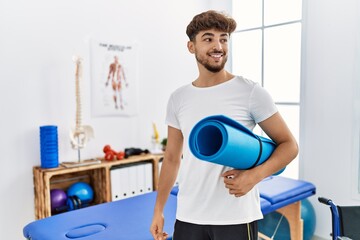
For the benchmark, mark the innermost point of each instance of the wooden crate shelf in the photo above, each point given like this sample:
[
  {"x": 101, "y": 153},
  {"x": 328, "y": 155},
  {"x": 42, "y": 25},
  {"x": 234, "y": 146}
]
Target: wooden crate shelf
[{"x": 97, "y": 175}]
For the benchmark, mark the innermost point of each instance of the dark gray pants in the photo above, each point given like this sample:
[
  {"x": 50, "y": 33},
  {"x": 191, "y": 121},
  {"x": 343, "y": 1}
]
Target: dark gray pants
[{"x": 190, "y": 231}]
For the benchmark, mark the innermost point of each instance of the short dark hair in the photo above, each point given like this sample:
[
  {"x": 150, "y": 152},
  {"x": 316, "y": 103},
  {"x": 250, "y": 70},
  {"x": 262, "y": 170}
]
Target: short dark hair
[{"x": 210, "y": 20}]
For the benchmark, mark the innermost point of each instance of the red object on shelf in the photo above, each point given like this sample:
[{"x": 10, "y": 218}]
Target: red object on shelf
[
  {"x": 120, "y": 155},
  {"x": 111, "y": 155}
]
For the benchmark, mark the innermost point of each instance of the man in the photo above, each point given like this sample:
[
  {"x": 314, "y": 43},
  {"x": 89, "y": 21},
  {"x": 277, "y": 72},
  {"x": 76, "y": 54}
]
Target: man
[
  {"x": 216, "y": 202},
  {"x": 116, "y": 74}
]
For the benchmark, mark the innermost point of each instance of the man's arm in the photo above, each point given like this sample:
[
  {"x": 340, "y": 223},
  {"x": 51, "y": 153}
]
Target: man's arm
[
  {"x": 242, "y": 181},
  {"x": 286, "y": 149},
  {"x": 168, "y": 174}
]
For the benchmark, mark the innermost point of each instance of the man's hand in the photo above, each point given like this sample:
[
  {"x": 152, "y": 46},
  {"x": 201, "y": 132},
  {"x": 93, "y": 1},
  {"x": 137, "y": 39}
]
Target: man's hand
[
  {"x": 157, "y": 226},
  {"x": 239, "y": 182}
]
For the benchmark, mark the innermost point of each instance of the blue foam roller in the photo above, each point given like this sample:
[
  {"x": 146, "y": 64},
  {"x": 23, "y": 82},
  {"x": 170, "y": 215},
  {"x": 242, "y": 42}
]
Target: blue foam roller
[{"x": 221, "y": 140}]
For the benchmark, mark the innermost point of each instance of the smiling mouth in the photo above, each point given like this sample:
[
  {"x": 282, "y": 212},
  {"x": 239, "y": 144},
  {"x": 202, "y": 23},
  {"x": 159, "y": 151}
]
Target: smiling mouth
[{"x": 216, "y": 54}]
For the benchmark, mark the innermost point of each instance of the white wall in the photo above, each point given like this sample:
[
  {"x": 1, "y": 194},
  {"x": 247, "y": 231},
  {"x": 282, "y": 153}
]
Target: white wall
[
  {"x": 330, "y": 92},
  {"x": 37, "y": 41}
]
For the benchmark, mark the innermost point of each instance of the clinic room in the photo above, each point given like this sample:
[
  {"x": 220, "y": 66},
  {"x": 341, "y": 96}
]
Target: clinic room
[{"x": 184, "y": 120}]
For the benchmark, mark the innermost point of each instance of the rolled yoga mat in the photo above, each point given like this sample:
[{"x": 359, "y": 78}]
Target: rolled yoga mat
[{"x": 219, "y": 139}]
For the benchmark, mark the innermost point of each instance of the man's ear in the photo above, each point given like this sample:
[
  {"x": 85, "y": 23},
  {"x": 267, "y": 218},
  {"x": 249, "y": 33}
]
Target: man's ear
[{"x": 191, "y": 47}]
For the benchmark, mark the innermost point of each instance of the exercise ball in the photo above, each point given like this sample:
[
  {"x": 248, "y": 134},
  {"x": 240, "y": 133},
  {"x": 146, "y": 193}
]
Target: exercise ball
[
  {"x": 58, "y": 199},
  {"x": 270, "y": 221},
  {"x": 82, "y": 190}
]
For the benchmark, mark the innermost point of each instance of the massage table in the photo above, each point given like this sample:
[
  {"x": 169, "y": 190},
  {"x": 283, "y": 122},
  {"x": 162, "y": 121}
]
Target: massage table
[
  {"x": 127, "y": 219},
  {"x": 130, "y": 219},
  {"x": 284, "y": 195}
]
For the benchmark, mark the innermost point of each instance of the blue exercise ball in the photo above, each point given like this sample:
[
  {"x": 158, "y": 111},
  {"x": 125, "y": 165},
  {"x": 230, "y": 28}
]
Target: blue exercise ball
[
  {"x": 268, "y": 225},
  {"x": 82, "y": 190}
]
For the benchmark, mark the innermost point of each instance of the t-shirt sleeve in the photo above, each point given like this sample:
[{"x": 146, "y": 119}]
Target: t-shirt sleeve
[
  {"x": 171, "y": 117},
  {"x": 262, "y": 106}
]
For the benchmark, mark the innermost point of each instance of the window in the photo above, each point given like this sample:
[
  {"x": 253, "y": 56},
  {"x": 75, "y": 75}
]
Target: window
[{"x": 266, "y": 48}]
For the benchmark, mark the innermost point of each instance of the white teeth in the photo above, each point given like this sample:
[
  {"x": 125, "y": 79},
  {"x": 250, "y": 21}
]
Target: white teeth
[{"x": 213, "y": 55}]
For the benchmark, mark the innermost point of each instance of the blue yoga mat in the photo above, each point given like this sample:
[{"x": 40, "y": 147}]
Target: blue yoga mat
[{"x": 219, "y": 139}]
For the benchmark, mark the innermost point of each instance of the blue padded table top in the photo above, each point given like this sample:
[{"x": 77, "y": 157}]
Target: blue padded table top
[
  {"x": 276, "y": 189},
  {"x": 282, "y": 191},
  {"x": 127, "y": 219}
]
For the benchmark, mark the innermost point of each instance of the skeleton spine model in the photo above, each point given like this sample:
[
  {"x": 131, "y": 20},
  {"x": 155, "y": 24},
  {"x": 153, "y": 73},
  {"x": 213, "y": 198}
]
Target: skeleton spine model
[{"x": 81, "y": 134}]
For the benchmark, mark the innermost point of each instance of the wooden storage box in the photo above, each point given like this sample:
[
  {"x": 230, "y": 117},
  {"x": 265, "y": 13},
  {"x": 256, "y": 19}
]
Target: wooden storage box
[{"x": 97, "y": 175}]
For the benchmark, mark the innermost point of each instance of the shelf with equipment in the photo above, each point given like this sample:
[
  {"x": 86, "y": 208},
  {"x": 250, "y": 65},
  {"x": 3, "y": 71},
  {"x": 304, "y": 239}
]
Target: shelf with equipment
[{"x": 98, "y": 176}]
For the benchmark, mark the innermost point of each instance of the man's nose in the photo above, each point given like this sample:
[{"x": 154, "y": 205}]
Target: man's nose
[{"x": 217, "y": 45}]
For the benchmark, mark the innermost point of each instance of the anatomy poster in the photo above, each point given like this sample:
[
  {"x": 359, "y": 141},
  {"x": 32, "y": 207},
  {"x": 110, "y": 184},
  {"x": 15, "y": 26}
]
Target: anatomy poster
[{"x": 114, "y": 79}]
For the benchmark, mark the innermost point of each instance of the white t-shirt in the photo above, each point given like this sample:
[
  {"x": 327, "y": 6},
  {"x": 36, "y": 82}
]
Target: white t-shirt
[{"x": 202, "y": 196}]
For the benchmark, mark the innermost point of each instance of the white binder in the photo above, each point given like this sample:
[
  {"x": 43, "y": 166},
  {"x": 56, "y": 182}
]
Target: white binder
[
  {"x": 120, "y": 188},
  {"x": 149, "y": 184},
  {"x": 115, "y": 182},
  {"x": 140, "y": 173},
  {"x": 133, "y": 181},
  {"x": 124, "y": 183}
]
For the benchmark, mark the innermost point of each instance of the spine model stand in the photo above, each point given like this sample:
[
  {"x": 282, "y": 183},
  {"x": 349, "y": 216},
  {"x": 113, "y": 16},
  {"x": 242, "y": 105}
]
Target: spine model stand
[{"x": 81, "y": 134}]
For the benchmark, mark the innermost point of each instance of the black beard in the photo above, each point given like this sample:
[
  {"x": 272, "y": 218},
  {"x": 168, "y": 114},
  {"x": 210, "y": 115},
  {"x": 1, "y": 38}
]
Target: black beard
[{"x": 213, "y": 69}]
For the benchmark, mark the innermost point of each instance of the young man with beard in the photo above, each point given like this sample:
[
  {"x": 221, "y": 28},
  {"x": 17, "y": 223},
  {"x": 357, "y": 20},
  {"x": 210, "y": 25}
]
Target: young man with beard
[{"x": 216, "y": 202}]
